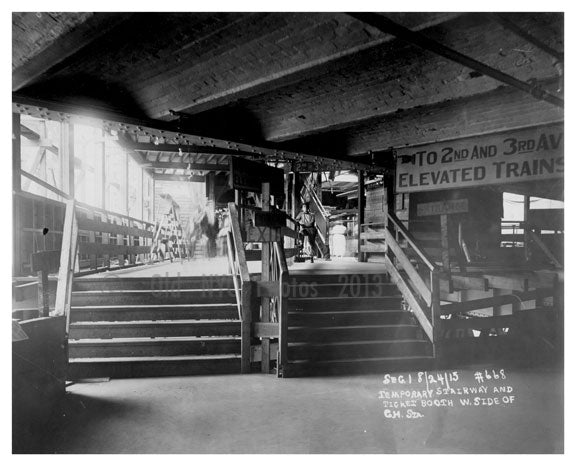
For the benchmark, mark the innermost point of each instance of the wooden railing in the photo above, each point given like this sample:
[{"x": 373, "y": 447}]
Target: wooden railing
[
  {"x": 68, "y": 260},
  {"x": 262, "y": 301},
  {"x": 242, "y": 285},
  {"x": 532, "y": 237},
  {"x": 282, "y": 274},
  {"x": 121, "y": 236},
  {"x": 422, "y": 298}
]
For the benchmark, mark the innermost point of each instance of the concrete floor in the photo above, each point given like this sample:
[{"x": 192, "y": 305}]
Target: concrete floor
[
  {"x": 219, "y": 265},
  {"x": 262, "y": 414}
]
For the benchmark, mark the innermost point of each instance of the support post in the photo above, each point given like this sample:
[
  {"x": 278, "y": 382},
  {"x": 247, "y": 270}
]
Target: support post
[
  {"x": 445, "y": 246},
  {"x": 70, "y": 162},
  {"x": 294, "y": 193},
  {"x": 527, "y": 252},
  {"x": 16, "y": 153},
  {"x": 361, "y": 203},
  {"x": 43, "y": 294},
  {"x": 435, "y": 313},
  {"x": 266, "y": 276},
  {"x": 16, "y": 188}
]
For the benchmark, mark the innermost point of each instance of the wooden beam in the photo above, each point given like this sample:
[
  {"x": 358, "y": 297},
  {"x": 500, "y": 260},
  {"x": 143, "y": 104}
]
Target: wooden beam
[
  {"x": 307, "y": 70},
  {"x": 44, "y": 184},
  {"x": 57, "y": 110},
  {"x": 185, "y": 148},
  {"x": 361, "y": 205},
  {"x": 184, "y": 166},
  {"x": 16, "y": 153},
  {"x": 65, "y": 46},
  {"x": 194, "y": 178},
  {"x": 69, "y": 169}
]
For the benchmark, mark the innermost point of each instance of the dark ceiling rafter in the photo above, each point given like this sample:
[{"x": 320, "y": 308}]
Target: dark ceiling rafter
[
  {"x": 114, "y": 121},
  {"x": 65, "y": 46},
  {"x": 171, "y": 177},
  {"x": 188, "y": 166},
  {"x": 294, "y": 74},
  {"x": 390, "y": 27},
  {"x": 185, "y": 149}
]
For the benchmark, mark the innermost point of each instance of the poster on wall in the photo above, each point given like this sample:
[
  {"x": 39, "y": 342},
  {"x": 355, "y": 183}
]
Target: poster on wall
[{"x": 530, "y": 154}]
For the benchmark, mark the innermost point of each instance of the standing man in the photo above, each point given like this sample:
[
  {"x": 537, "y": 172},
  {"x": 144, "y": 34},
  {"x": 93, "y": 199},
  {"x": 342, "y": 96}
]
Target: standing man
[{"x": 307, "y": 221}]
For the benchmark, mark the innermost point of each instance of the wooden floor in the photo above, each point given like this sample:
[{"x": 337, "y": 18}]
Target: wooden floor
[{"x": 219, "y": 266}]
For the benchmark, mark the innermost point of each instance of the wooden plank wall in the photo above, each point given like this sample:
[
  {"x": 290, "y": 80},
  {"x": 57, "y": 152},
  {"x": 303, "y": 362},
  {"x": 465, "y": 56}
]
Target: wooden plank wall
[
  {"x": 38, "y": 379},
  {"x": 34, "y": 214}
]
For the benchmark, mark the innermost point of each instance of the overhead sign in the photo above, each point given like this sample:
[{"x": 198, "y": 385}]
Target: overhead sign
[
  {"x": 524, "y": 155},
  {"x": 273, "y": 219},
  {"x": 262, "y": 235},
  {"x": 248, "y": 175},
  {"x": 456, "y": 206}
]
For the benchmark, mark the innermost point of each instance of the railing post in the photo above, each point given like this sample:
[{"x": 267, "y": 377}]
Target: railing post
[
  {"x": 246, "y": 327},
  {"x": 435, "y": 310},
  {"x": 283, "y": 326}
]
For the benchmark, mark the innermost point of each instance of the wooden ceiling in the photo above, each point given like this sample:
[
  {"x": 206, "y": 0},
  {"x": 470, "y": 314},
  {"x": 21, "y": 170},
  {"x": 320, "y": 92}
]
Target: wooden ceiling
[{"x": 323, "y": 83}]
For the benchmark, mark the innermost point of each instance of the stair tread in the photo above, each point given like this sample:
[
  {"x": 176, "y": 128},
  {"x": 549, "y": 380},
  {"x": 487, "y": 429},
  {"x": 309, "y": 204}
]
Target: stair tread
[
  {"x": 139, "y": 340},
  {"x": 151, "y": 322},
  {"x": 202, "y": 357},
  {"x": 360, "y": 360},
  {"x": 179, "y": 290},
  {"x": 154, "y": 306},
  {"x": 353, "y": 327},
  {"x": 340, "y": 313},
  {"x": 339, "y": 298},
  {"x": 349, "y": 343}
]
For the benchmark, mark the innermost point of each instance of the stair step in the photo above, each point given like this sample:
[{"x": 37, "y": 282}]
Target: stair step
[
  {"x": 150, "y": 366},
  {"x": 313, "y": 289},
  {"x": 139, "y": 347},
  {"x": 357, "y": 349},
  {"x": 333, "y": 319},
  {"x": 153, "y": 312},
  {"x": 156, "y": 283},
  {"x": 357, "y": 366},
  {"x": 337, "y": 277},
  {"x": 353, "y": 333},
  {"x": 124, "y": 297},
  {"x": 337, "y": 304},
  {"x": 135, "y": 329}
]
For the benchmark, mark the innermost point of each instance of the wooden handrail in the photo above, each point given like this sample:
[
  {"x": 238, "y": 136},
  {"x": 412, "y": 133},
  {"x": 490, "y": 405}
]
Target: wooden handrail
[
  {"x": 242, "y": 287},
  {"x": 502, "y": 300},
  {"x": 238, "y": 242},
  {"x": 411, "y": 241},
  {"x": 283, "y": 304},
  {"x": 67, "y": 263},
  {"x": 535, "y": 238},
  {"x": 423, "y": 299},
  {"x": 84, "y": 206},
  {"x": 45, "y": 185}
]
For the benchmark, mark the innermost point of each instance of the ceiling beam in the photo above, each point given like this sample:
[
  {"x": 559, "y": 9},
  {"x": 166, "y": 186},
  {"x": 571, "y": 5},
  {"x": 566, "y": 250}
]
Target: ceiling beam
[
  {"x": 188, "y": 166},
  {"x": 65, "y": 46},
  {"x": 111, "y": 120},
  {"x": 297, "y": 73},
  {"x": 415, "y": 38},
  {"x": 185, "y": 148},
  {"x": 194, "y": 178}
]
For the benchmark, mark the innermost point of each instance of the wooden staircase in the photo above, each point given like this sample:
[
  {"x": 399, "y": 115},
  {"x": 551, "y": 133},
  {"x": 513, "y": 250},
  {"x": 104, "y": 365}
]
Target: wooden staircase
[
  {"x": 349, "y": 323},
  {"x": 155, "y": 326}
]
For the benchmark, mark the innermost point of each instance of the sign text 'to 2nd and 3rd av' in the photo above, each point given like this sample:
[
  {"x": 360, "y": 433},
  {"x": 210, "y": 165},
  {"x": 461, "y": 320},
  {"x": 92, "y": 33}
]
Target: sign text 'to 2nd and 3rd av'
[{"x": 523, "y": 155}]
